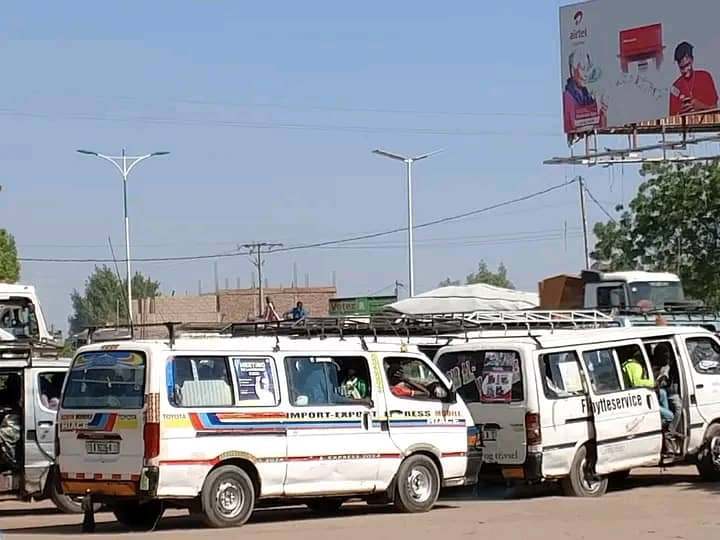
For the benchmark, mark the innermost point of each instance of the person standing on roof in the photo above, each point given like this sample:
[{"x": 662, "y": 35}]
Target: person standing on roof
[{"x": 270, "y": 313}]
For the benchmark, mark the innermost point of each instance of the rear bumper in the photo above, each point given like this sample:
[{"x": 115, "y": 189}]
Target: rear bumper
[
  {"x": 143, "y": 485},
  {"x": 474, "y": 463}
]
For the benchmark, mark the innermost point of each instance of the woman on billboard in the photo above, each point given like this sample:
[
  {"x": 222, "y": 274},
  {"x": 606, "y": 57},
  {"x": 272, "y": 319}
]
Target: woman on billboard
[
  {"x": 581, "y": 109},
  {"x": 694, "y": 90}
]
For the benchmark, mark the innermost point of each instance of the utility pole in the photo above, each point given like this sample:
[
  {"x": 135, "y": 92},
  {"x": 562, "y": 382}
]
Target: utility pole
[
  {"x": 257, "y": 250},
  {"x": 581, "y": 183}
]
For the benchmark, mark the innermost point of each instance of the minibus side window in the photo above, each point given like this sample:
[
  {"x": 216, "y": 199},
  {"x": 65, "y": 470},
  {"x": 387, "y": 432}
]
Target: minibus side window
[
  {"x": 705, "y": 355},
  {"x": 199, "y": 381},
  {"x": 257, "y": 382},
  {"x": 50, "y": 387},
  {"x": 484, "y": 376},
  {"x": 410, "y": 378},
  {"x": 562, "y": 376},
  {"x": 337, "y": 380},
  {"x": 603, "y": 371}
]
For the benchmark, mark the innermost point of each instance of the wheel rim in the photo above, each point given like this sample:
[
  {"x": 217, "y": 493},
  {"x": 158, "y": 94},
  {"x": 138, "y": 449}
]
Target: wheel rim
[
  {"x": 715, "y": 451},
  {"x": 419, "y": 484},
  {"x": 588, "y": 478},
  {"x": 229, "y": 499}
]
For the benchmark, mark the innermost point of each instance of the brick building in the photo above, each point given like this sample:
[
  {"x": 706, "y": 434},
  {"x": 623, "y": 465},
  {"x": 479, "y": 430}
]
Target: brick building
[{"x": 232, "y": 305}]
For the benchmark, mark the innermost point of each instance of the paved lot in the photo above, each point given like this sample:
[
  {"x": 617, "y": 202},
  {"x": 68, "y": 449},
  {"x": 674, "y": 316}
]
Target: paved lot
[{"x": 651, "y": 504}]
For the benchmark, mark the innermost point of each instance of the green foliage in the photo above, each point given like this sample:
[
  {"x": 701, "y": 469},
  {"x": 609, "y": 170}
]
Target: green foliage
[
  {"x": 98, "y": 304},
  {"x": 484, "y": 275},
  {"x": 672, "y": 225},
  {"x": 9, "y": 264}
]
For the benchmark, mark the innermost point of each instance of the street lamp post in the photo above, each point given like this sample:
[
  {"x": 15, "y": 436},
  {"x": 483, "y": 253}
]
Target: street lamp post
[
  {"x": 125, "y": 164},
  {"x": 408, "y": 162}
]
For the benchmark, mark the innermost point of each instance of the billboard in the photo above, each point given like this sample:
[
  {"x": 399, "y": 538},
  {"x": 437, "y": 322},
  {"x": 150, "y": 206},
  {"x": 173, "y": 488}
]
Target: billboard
[
  {"x": 359, "y": 306},
  {"x": 639, "y": 61}
]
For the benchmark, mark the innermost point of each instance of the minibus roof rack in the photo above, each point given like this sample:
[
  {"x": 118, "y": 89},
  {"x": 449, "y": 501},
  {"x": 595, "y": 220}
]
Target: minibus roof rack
[{"x": 382, "y": 324}]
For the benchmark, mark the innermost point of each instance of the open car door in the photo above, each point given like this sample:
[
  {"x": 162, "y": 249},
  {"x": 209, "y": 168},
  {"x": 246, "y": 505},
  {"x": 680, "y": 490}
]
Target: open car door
[{"x": 627, "y": 424}]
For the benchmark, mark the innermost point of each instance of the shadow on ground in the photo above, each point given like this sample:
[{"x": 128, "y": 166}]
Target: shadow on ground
[{"x": 175, "y": 523}]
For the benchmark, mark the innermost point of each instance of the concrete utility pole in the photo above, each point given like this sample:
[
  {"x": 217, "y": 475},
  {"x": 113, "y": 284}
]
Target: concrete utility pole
[{"x": 257, "y": 249}]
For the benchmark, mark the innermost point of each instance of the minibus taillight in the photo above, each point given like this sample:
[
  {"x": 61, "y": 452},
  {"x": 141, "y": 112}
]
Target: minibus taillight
[
  {"x": 151, "y": 437},
  {"x": 533, "y": 434}
]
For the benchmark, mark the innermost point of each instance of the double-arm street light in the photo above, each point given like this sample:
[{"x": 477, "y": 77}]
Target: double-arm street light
[
  {"x": 125, "y": 164},
  {"x": 408, "y": 161}
]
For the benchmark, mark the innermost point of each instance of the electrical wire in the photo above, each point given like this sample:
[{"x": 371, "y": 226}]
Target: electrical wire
[
  {"x": 600, "y": 206},
  {"x": 312, "y": 245}
]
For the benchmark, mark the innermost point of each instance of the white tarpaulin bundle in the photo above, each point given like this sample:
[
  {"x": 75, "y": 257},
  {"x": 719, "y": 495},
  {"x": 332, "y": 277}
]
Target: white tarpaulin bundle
[{"x": 466, "y": 299}]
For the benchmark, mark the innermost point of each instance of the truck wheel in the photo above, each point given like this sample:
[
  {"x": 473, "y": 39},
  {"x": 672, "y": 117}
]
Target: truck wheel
[
  {"x": 65, "y": 503},
  {"x": 228, "y": 497},
  {"x": 418, "y": 485},
  {"x": 326, "y": 506},
  {"x": 583, "y": 481},
  {"x": 138, "y": 516},
  {"x": 708, "y": 464}
]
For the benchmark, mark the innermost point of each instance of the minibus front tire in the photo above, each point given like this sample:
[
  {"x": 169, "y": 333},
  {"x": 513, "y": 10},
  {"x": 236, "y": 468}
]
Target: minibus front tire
[
  {"x": 138, "y": 516},
  {"x": 582, "y": 480},
  {"x": 227, "y": 498},
  {"x": 417, "y": 485},
  {"x": 708, "y": 464}
]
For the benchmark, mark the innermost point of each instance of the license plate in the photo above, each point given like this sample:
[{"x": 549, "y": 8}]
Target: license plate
[{"x": 102, "y": 447}]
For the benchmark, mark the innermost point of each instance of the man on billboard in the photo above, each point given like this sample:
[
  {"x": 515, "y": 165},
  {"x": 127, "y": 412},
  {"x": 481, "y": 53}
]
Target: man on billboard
[
  {"x": 694, "y": 91},
  {"x": 581, "y": 109}
]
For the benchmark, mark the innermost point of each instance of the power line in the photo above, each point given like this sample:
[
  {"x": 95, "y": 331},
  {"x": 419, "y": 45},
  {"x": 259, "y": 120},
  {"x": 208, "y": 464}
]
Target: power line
[
  {"x": 326, "y": 243},
  {"x": 267, "y": 125},
  {"x": 600, "y": 206}
]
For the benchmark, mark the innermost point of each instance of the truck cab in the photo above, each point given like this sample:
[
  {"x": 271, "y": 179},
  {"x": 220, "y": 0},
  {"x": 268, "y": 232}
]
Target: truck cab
[{"x": 632, "y": 290}]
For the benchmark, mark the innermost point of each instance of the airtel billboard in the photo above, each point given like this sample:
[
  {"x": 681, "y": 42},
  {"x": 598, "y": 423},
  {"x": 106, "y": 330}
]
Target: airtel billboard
[{"x": 627, "y": 62}]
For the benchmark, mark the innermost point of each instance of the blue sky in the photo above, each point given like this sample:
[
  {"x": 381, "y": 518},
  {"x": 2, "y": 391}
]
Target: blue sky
[{"x": 271, "y": 111}]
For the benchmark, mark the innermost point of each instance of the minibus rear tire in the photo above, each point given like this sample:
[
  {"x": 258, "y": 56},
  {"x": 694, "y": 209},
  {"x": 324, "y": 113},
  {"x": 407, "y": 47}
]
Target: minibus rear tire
[
  {"x": 709, "y": 471},
  {"x": 417, "y": 485},
  {"x": 575, "y": 484},
  {"x": 234, "y": 483}
]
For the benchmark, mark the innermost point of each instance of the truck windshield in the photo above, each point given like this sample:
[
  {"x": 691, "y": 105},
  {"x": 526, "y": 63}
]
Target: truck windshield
[
  {"x": 106, "y": 380},
  {"x": 656, "y": 292},
  {"x": 17, "y": 316}
]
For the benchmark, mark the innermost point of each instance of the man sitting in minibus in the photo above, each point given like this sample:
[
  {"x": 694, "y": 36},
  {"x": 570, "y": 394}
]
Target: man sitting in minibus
[{"x": 634, "y": 375}]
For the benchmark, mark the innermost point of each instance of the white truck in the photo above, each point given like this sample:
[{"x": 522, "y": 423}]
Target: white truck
[{"x": 636, "y": 298}]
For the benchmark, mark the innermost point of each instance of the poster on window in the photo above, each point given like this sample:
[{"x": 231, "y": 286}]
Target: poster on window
[
  {"x": 255, "y": 380},
  {"x": 500, "y": 371}
]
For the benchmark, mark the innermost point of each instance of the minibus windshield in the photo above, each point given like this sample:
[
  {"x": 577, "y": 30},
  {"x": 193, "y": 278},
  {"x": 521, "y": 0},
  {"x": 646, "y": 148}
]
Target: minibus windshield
[{"x": 106, "y": 380}]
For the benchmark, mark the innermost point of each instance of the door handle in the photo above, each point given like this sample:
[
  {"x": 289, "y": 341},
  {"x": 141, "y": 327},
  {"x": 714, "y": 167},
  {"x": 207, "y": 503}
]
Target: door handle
[
  {"x": 395, "y": 411},
  {"x": 649, "y": 401},
  {"x": 45, "y": 424},
  {"x": 699, "y": 386}
]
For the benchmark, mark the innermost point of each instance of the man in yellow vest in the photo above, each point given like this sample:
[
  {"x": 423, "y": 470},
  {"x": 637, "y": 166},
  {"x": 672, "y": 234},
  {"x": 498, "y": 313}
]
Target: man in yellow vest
[{"x": 634, "y": 375}]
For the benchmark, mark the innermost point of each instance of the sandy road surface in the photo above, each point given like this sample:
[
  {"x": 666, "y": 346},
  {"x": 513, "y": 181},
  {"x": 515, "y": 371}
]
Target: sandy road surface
[{"x": 651, "y": 504}]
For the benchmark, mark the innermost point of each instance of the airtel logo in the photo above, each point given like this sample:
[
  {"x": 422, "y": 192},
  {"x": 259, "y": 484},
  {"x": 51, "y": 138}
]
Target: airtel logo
[{"x": 579, "y": 32}]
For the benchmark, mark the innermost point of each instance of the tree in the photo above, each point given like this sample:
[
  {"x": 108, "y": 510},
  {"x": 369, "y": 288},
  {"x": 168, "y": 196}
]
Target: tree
[
  {"x": 484, "y": 275},
  {"x": 672, "y": 225},
  {"x": 488, "y": 277},
  {"x": 9, "y": 264},
  {"x": 98, "y": 304}
]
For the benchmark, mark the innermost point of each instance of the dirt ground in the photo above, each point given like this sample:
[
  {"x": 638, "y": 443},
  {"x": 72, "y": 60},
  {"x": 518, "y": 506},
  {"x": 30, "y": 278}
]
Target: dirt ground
[{"x": 652, "y": 503}]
